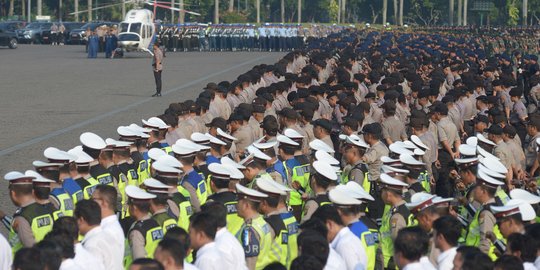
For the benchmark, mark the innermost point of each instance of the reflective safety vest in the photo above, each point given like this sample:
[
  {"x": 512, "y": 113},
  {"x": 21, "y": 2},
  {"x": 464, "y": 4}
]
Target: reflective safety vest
[
  {"x": 152, "y": 233},
  {"x": 366, "y": 184},
  {"x": 473, "y": 234},
  {"x": 165, "y": 220},
  {"x": 279, "y": 247},
  {"x": 142, "y": 171},
  {"x": 186, "y": 210},
  {"x": 101, "y": 174},
  {"x": 65, "y": 201},
  {"x": 387, "y": 244},
  {"x": 370, "y": 240},
  {"x": 73, "y": 189},
  {"x": 256, "y": 239},
  {"x": 424, "y": 179},
  {"x": 253, "y": 183},
  {"x": 88, "y": 186},
  {"x": 41, "y": 221},
  {"x": 502, "y": 196},
  {"x": 230, "y": 201},
  {"x": 301, "y": 175},
  {"x": 292, "y": 229},
  {"x": 195, "y": 180}
]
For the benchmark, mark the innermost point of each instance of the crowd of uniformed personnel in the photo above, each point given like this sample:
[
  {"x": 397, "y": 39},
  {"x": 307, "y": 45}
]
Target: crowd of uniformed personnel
[
  {"x": 240, "y": 37},
  {"x": 364, "y": 150}
]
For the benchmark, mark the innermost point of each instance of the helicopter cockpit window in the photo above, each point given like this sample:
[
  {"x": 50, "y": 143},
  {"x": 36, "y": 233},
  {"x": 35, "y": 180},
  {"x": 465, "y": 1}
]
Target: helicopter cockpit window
[
  {"x": 124, "y": 27},
  {"x": 135, "y": 28}
]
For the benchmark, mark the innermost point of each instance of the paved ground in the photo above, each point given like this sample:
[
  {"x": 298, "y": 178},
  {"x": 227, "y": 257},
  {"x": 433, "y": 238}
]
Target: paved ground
[{"x": 50, "y": 95}]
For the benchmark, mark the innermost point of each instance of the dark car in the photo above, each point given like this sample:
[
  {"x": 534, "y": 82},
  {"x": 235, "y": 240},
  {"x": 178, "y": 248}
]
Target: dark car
[
  {"x": 8, "y": 36},
  {"x": 33, "y": 32},
  {"x": 78, "y": 36},
  {"x": 70, "y": 26}
]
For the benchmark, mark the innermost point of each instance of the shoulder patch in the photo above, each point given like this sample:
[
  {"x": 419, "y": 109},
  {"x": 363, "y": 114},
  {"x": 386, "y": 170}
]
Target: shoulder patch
[{"x": 250, "y": 242}]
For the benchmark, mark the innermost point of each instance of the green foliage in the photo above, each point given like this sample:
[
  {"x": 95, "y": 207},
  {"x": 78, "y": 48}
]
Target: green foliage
[
  {"x": 233, "y": 17},
  {"x": 513, "y": 12},
  {"x": 333, "y": 9}
]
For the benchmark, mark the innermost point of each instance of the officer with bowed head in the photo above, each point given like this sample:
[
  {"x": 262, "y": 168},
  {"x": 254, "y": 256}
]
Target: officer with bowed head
[{"x": 322, "y": 179}]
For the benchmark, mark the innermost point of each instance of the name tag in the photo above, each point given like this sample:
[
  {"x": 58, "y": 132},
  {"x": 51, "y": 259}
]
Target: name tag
[
  {"x": 157, "y": 235},
  {"x": 44, "y": 221}
]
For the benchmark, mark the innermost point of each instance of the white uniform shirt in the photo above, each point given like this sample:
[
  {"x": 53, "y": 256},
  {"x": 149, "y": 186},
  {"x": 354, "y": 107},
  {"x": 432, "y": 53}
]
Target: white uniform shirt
[
  {"x": 235, "y": 255},
  {"x": 424, "y": 261},
  {"x": 529, "y": 266},
  {"x": 350, "y": 248},
  {"x": 189, "y": 266},
  {"x": 334, "y": 261},
  {"x": 210, "y": 258},
  {"x": 98, "y": 242},
  {"x": 111, "y": 225},
  {"x": 6, "y": 257},
  {"x": 446, "y": 259},
  {"x": 414, "y": 266},
  {"x": 86, "y": 260}
]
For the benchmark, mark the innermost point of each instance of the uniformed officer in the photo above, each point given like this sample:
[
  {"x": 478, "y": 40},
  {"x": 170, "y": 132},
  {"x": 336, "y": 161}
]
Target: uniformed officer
[
  {"x": 32, "y": 221},
  {"x": 297, "y": 172},
  {"x": 159, "y": 204},
  {"x": 54, "y": 155},
  {"x": 82, "y": 168},
  {"x": 185, "y": 151},
  {"x": 138, "y": 149},
  {"x": 145, "y": 233},
  {"x": 484, "y": 224},
  {"x": 417, "y": 176},
  {"x": 255, "y": 165},
  {"x": 42, "y": 191},
  {"x": 157, "y": 135},
  {"x": 352, "y": 213},
  {"x": 353, "y": 152},
  {"x": 372, "y": 136},
  {"x": 256, "y": 236},
  {"x": 60, "y": 198},
  {"x": 179, "y": 202},
  {"x": 322, "y": 179},
  {"x": 220, "y": 178},
  {"x": 513, "y": 216},
  {"x": 275, "y": 166},
  {"x": 92, "y": 145},
  {"x": 396, "y": 216}
]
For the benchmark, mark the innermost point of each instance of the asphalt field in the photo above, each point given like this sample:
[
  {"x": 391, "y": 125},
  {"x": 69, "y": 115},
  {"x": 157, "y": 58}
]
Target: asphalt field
[{"x": 50, "y": 95}]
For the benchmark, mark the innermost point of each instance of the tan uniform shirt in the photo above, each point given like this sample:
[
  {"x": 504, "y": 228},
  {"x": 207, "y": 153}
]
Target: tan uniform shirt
[
  {"x": 530, "y": 150},
  {"x": 137, "y": 242},
  {"x": 328, "y": 141},
  {"x": 308, "y": 128},
  {"x": 486, "y": 222},
  {"x": 244, "y": 138},
  {"x": 502, "y": 151},
  {"x": 255, "y": 128},
  {"x": 393, "y": 129},
  {"x": 373, "y": 159},
  {"x": 517, "y": 153},
  {"x": 447, "y": 131}
]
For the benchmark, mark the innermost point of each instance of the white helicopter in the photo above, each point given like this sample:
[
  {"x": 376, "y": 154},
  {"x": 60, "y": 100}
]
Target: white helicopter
[{"x": 137, "y": 32}]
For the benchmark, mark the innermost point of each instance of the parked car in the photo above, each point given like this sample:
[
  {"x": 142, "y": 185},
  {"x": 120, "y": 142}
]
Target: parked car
[
  {"x": 33, "y": 32},
  {"x": 8, "y": 36},
  {"x": 69, "y": 27}
]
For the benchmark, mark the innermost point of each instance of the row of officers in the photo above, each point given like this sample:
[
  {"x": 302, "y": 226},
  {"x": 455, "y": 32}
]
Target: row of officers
[
  {"x": 267, "y": 194},
  {"x": 277, "y": 38}
]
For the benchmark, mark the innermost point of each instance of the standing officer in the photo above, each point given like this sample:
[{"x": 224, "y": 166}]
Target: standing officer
[
  {"x": 157, "y": 64},
  {"x": 185, "y": 151},
  {"x": 372, "y": 136},
  {"x": 92, "y": 145},
  {"x": 145, "y": 233},
  {"x": 321, "y": 181},
  {"x": 159, "y": 204},
  {"x": 32, "y": 221},
  {"x": 220, "y": 178},
  {"x": 395, "y": 217},
  {"x": 256, "y": 235},
  {"x": 82, "y": 176},
  {"x": 60, "y": 198},
  {"x": 484, "y": 224}
]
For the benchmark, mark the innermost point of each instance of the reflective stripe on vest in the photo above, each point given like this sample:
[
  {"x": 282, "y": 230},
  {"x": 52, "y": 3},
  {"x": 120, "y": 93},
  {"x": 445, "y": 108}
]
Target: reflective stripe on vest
[
  {"x": 301, "y": 175},
  {"x": 262, "y": 248}
]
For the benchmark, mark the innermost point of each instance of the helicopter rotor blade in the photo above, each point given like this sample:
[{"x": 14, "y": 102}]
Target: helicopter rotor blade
[{"x": 172, "y": 8}]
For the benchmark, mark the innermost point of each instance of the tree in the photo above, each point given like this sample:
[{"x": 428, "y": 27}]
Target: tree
[
  {"x": 400, "y": 12},
  {"x": 451, "y": 12},
  {"x": 384, "y": 11},
  {"x": 231, "y": 5},
  {"x": 11, "y": 8}
]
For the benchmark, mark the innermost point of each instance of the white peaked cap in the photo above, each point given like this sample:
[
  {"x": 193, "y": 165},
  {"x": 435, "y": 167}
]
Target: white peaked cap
[
  {"x": 325, "y": 170},
  {"x": 92, "y": 140},
  {"x": 138, "y": 193},
  {"x": 524, "y": 195},
  {"x": 320, "y": 145},
  {"x": 340, "y": 197}
]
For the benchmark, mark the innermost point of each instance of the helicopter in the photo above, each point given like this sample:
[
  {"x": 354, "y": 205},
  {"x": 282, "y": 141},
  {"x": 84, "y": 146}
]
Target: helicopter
[{"x": 137, "y": 32}]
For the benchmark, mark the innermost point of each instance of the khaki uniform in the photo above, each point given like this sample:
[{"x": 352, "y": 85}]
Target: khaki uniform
[
  {"x": 502, "y": 151},
  {"x": 324, "y": 109},
  {"x": 375, "y": 113},
  {"x": 356, "y": 174},
  {"x": 308, "y": 128},
  {"x": 244, "y": 138},
  {"x": 455, "y": 116},
  {"x": 530, "y": 150},
  {"x": 403, "y": 113},
  {"x": 233, "y": 101},
  {"x": 393, "y": 129},
  {"x": 447, "y": 131},
  {"x": 185, "y": 127},
  {"x": 198, "y": 124},
  {"x": 137, "y": 242},
  {"x": 305, "y": 142},
  {"x": 517, "y": 153},
  {"x": 486, "y": 222},
  {"x": 373, "y": 159},
  {"x": 219, "y": 107},
  {"x": 255, "y": 127}
]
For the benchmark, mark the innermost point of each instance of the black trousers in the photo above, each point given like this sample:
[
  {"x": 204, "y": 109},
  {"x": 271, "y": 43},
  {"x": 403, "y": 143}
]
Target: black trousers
[
  {"x": 444, "y": 186},
  {"x": 157, "y": 78}
]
